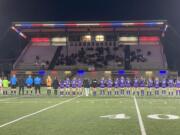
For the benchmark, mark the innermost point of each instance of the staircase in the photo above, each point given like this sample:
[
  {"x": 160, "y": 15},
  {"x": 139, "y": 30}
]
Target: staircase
[{"x": 53, "y": 62}]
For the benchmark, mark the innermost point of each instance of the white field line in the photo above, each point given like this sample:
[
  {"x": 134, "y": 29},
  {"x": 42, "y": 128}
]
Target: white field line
[
  {"x": 141, "y": 124},
  {"x": 37, "y": 112},
  {"x": 7, "y": 99}
]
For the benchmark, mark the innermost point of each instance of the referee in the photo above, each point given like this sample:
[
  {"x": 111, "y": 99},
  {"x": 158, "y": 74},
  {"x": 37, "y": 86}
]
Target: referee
[
  {"x": 21, "y": 83},
  {"x": 55, "y": 85},
  {"x": 87, "y": 87}
]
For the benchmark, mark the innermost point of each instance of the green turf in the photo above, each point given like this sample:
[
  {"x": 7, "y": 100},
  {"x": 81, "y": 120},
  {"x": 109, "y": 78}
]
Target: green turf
[
  {"x": 81, "y": 116},
  {"x": 160, "y": 106}
]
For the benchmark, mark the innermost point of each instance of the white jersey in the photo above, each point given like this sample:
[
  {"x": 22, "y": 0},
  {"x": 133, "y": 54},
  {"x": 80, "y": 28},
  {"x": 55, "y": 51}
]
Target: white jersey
[{"x": 0, "y": 83}]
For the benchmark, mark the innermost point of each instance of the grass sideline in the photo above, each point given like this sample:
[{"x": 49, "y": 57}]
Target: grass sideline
[
  {"x": 44, "y": 92},
  {"x": 82, "y": 116}
]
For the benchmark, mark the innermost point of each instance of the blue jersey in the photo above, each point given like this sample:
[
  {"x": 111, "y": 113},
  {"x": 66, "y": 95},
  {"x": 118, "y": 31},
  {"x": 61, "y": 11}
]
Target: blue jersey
[
  {"x": 122, "y": 82},
  {"x": 67, "y": 83},
  {"x": 150, "y": 83},
  {"x": 164, "y": 83},
  {"x": 178, "y": 83},
  {"x": 116, "y": 83},
  {"x": 157, "y": 83},
  {"x": 13, "y": 80},
  {"x": 136, "y": 83},
  {"x": 79, "y": 83},
  {"x": 109, "y": 83},
  {"x": 73, "y": 83},
  {"x": 61, "y": 84},
  {"x": 128, "y": 83},
  {"x": 37, "y": 81},
  {"x": 171, "y": 83},
  {"x": 29, "y": 81},
  {"x": 102, "y": 83},
  {"x": 142, "y": 83}
]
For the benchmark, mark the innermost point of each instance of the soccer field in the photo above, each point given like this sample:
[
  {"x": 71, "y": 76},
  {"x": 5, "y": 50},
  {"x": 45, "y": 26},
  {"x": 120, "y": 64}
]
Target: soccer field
[{"x": 89, "y": 116}]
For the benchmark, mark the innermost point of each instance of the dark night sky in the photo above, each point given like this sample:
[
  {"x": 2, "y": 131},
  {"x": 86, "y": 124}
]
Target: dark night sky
[
  {"x": 62, "y": 10},
  {"x": 93, "y": 10}
]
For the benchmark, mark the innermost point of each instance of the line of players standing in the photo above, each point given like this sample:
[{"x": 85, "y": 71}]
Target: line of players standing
[
  {"x": 10, "y": 86},
  {"x": 118, "y": 86}
]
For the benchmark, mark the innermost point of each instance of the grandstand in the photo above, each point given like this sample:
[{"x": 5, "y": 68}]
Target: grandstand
[
  {"x": 90, "y": 78},
  {"x": 92, "y": 46}
]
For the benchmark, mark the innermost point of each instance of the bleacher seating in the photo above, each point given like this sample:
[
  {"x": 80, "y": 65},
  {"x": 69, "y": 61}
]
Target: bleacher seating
[
  {"x": 79, "y": 55},
  {"x": 36, "y": 57},
  {"x": 99, "y": 56},
  {"x": 146, "y": 57}
]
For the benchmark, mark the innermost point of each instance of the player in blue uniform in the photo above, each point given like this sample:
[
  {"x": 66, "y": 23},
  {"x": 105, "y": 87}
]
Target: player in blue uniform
[
  {"x": 29, "y": 84},
  {"x": 178, "y": 87},
  {"x": 171, "y": 86},
  {"x": 37, "y": 84},
  {"x": 62, "y": 87},
  {"x": 156, "y": 83},
  {"x": 150, "y": 85},
  {"x": 122, "y": 85},
  {"x": 128, "y": 86},
  {"x": 136, "y": 85},
  {"x": 142, "y": 85},
  {"x": 102, "y": 86},
  {"x": 67, "y": 86},
  {"x": 79, "y": 84},
  {"x": 164, "y": 85},
  {"x": 13, "y": 82},
  {"x": 116, "y": 86},
  {"x": 73, "y": 86},
  {"x": 109, "y": 85}
]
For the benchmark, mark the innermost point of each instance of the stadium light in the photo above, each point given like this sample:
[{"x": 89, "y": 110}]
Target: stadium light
[
  {"x": 42, "y": 72},
  {"x": 87, "y": 24},
  {"x": 100, "y": 38},
  {"x": 28, "y": 72},
  {"x": 121, "y": 72},
  {"x": 40, "y": 40},
  {"x": 87, "y": 38},
  {"x": 162, "y": 72},
  {"x": 148, "y": 72},
  {"x": 59, "y": 41},
  {"x": 128, "y": 39},
  {"x": 149, "y": 39},
  {"x": 67, "y": 72},
  {"x": 108, "y": 72},
  {"x": 80, "y": 72}
]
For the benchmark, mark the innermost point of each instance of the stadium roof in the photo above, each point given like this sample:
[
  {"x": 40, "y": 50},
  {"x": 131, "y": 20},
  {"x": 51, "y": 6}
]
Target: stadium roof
[{"x": 30, "y": 28}]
